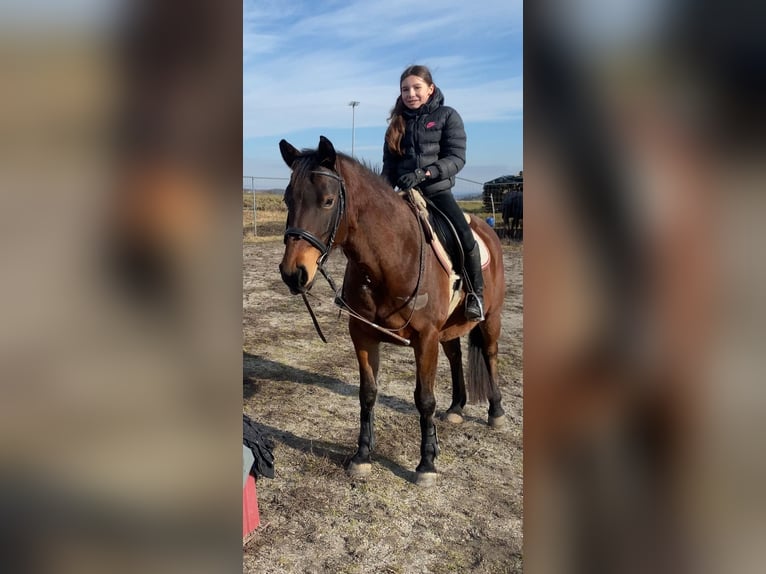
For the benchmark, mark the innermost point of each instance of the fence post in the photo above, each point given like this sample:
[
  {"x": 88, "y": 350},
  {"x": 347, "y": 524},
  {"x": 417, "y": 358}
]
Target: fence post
[{"x": 252, "y": 188}]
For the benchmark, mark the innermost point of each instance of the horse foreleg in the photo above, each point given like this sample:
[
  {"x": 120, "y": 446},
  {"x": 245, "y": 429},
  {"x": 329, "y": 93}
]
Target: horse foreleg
[
  {"x": 426, "y": 356},
  {"x": 368, "y": 356},
  {"x": 454, "y": 355}
]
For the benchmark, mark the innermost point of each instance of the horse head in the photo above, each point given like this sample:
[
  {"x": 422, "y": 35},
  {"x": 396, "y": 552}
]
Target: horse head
[{"x": 315, "y": 201}]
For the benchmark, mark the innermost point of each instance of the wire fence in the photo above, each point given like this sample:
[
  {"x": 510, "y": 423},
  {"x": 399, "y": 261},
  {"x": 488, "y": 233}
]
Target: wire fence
[{"x": 253, "y": 183}]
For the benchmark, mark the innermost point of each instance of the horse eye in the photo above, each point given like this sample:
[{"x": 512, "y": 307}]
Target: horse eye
[{"x": 328, "y": 201}]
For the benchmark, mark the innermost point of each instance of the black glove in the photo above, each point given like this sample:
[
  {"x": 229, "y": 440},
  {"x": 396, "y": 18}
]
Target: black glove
[{"x": 411, "y": 179}]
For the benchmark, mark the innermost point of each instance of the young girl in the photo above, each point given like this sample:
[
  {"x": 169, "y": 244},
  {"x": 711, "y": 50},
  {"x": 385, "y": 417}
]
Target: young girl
[{"x": 425, "y": 148}]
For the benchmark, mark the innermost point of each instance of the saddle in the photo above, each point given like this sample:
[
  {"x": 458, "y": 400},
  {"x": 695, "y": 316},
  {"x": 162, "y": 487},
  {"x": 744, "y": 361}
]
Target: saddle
[{"x": 441, "y": 235}]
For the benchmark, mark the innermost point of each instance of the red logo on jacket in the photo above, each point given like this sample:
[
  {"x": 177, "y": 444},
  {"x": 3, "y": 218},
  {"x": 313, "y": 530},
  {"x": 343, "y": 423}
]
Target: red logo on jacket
[{"x": 430, "y": 124}]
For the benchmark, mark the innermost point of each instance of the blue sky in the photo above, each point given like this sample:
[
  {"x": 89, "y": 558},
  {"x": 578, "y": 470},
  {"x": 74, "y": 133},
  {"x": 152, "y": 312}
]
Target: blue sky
[{"x": 304, "y": 61}]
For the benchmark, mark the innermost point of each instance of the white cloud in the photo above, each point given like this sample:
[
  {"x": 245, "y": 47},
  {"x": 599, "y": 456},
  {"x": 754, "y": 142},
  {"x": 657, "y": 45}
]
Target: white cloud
[
  {"x": 276, "y": 109},
  {"x": 303, "y": 62}
]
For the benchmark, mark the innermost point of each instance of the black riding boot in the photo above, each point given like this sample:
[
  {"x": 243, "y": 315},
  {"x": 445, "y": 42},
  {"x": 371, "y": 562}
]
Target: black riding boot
[{"x": 474, "y": 303}]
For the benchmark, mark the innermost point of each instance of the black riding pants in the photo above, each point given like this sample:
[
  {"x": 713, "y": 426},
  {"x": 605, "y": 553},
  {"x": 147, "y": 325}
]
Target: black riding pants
[{"x": 445, "y": 202}]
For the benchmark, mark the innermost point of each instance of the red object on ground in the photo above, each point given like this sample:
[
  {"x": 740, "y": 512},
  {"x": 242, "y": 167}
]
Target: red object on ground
[{"x": 250, "y": 516}]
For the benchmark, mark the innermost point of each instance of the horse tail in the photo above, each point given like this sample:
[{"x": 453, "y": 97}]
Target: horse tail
[{"x": 478, "y": 381}]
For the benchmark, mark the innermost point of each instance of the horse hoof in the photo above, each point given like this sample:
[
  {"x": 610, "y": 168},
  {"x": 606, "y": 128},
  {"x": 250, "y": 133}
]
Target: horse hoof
[
  {"x": 359, "y": 470},
  {"x": 496, "y": 422},
  {"x": 453, "y": 418},
  {"x": 425, "y": 479}
]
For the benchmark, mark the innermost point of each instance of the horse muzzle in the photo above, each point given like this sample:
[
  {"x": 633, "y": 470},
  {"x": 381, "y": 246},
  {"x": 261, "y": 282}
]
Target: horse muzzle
[{"x": 296, "y": 278}]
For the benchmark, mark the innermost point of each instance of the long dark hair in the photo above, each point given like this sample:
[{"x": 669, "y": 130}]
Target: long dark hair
[{"x": 395, "y": 129}]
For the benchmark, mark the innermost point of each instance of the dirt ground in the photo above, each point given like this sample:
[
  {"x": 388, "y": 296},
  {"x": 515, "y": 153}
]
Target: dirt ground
[{"x": 303, "y": 393}]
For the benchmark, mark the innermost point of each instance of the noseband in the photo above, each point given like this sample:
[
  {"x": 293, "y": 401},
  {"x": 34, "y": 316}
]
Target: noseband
[{"x": 323, "y": 248}]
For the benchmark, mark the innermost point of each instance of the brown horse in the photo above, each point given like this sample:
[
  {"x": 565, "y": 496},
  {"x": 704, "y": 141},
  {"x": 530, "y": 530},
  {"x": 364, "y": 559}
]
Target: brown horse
[{"x": 394, "y": 289}]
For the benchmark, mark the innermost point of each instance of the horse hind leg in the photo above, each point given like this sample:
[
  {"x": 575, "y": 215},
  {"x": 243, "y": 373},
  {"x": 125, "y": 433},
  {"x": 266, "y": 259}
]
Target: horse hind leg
[
  {"x": 482, "y": 369},
  {"x": 454, "y": 413},
  {"x": 491, "y": 334},
  {"x": 368, "y": 356}
]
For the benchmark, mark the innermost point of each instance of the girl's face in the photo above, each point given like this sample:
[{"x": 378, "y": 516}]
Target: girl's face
[{"x": 415, "y": 92}]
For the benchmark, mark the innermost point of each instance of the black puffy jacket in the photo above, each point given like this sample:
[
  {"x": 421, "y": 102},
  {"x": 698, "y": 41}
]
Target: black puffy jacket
[{"x": 434, "y": 139}]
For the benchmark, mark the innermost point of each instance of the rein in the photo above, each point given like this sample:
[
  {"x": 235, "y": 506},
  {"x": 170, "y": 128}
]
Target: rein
[
  {"x": 390, "y": 332},
  {"x": 325, "y": 250}
]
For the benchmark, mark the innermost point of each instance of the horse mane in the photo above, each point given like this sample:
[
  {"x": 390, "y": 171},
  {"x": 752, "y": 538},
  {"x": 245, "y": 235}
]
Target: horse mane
[
  {"x": 383, "y": 194},
  {"x": 373, "y": 168},
  {"x": 306, "y": 162},
  {"x": 366, "y": 169}
]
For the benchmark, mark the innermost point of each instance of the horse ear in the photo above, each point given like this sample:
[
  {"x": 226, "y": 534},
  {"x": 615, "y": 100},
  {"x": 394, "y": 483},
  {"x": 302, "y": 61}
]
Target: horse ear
[
  {"x": 289, "y": 153},
  {"x": 326, "y": 153}
]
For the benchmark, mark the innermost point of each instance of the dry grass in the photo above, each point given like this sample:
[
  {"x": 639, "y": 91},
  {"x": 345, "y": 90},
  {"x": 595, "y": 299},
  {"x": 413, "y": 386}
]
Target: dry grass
[{"x": 270, "y": 215}]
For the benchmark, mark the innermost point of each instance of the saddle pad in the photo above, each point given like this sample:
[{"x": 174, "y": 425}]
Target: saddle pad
[
  {"x": 483, "y": 249},
  {"x": 455, "y": 280},
  {"x": 417, "y": 200},
  {"x": 441, "y": 253},
  {"x": 444, "y": 259}
]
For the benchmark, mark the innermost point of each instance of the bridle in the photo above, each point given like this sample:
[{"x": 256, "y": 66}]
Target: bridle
[
  {"x": 326, "y": 248},
  {"x": 323, "y": 248}
]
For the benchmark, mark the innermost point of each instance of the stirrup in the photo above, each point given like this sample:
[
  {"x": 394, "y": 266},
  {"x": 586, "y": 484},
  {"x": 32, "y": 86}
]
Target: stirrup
[{"x": 474, "y": 310}]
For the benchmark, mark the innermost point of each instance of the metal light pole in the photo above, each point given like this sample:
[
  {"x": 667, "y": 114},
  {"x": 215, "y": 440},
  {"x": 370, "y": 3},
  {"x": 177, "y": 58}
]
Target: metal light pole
[{"x": 353, "y": 105}]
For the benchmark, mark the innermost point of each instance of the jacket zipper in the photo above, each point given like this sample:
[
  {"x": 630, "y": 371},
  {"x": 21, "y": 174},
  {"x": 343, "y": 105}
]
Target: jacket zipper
[{"x": 416, "y": 140}]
